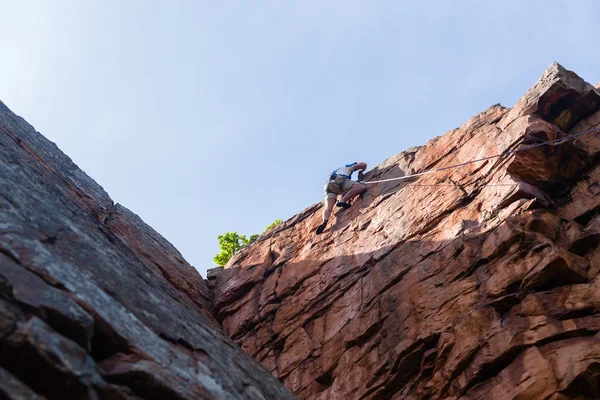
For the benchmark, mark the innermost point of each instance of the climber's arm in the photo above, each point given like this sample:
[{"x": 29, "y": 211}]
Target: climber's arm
[{"x": 361, "y": 166}]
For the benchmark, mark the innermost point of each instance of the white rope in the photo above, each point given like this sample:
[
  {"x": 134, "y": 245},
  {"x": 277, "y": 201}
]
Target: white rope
[{"x": 486, "y": 158}]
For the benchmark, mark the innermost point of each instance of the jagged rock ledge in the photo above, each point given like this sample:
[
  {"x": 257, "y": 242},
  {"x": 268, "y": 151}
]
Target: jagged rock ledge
[{"x": 473, "y": 283}]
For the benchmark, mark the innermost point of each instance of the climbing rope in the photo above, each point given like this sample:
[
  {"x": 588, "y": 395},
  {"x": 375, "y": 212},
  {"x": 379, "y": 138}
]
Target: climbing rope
[{"x": 486, "y": 158}]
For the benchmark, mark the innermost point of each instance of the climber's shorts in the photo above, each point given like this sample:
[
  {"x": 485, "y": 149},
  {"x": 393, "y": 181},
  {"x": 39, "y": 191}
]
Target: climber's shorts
[{"x": 338, "y": 186}]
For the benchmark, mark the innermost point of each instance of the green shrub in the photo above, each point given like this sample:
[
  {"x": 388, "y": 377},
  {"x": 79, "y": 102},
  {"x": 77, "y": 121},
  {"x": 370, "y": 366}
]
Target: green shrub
[
  {"x": 273, "y": 224},
  {"x": 232, "y": 242}
]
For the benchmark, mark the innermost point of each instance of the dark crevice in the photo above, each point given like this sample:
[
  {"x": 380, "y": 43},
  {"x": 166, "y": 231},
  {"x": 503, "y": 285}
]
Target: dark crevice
[
  {"x": 586, "y": 385},
  {"x": 428, "y": 364},
  {"x": 144, "y": 384},
  {"x": 470, "y": 270},
  {"x": 405, "y": 370},
  {"x": 494, "y": 367},
  {"x": 536, "y": 249},
  {"x": 270, "y": 270},
  {"x": 458, "y": 251},
  {"x": 582, "y": 332},
  {"x": 513, "y": 288},
  {"x": 496, "y": 120},
  {"x": 585, "y": 218},
  {"x": 553, "y": 278},
  {"x": 505, "y": 303},
  {"x": 326, "y": 378},
  {"x": 274, "y": 301},
  {"x": 110, "y": 236},
  {"x": 49, "y": 240},
  {"x": 77, "y": 331},
  {"x": 39, "y": 374},
  {"x": 551, "y": 108},
  {"x": 442, "y": 355},
  {"x": 364, "y": 338},
  {"x": 579, "y": 313},
  {"x": 106, "y": 343},
  {"x": 6, "y": 289},
  {"x": 10, "y": 255},
  {"x": 460, "y": 367},
  {"x": 48, "y": 280},
  {"x": 584, "y": 244},
  {"x": 555, "y": 190},
  {"x": 277, "y": 348},
  {"x": 408, "y": 364},
  {"x": 179, "y": 341}
]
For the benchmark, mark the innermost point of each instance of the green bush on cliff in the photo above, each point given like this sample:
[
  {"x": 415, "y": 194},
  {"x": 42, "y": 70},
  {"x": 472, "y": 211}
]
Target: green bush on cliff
[
  {"x": 273, "y": 224},
  {"x": 232, "y": 242}
]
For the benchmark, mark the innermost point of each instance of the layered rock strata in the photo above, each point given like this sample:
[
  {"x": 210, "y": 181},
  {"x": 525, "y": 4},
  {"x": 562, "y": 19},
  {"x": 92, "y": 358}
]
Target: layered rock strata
[
  {"x": 474, "y": 283},
  {"x": 94, "y": 304}
]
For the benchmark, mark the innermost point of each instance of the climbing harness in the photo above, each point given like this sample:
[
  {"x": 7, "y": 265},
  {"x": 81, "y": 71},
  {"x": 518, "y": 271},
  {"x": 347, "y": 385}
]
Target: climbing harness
[{"x": 431, "y": 171}]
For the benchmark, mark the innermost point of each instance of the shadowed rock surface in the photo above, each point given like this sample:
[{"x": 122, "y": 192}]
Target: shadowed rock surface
[
  {"x": 475, "y": 283},
  {"x": 94, "y": 304}
]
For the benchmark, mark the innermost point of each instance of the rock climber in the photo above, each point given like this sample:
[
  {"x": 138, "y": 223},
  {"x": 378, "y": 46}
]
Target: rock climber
[{"x": 340, "y": 182}]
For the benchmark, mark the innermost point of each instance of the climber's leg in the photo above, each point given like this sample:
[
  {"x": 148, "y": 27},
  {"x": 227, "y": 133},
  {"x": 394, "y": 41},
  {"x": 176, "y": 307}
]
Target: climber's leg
[
  {"x": 355, "y": 190},
  {"x": 329, "y": 202}
]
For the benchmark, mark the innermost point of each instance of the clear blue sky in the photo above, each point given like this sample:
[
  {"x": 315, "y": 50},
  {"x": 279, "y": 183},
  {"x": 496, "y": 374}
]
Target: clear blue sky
[{"x": 205, "y": 117}]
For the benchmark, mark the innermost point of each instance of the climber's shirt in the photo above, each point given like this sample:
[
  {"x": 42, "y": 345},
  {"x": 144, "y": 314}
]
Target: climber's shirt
[{"x": 344, "y": 171}]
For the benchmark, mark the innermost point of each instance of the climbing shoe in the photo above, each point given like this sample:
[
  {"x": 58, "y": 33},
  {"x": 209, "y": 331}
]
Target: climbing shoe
[
  {"x": 321, "y": 228},
  {"x": 343, "y": 204}
]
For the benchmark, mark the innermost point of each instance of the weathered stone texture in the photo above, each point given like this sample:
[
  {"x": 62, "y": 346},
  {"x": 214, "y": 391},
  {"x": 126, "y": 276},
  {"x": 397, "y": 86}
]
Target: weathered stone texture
[
  {"x": 479, "y": 282},
  {"x": 94, "y": 304}
]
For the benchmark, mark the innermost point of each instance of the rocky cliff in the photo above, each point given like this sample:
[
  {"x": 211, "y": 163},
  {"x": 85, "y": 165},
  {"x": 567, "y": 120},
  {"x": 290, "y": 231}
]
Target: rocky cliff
[
  {"x": 94, "y": 304},
  {"x": 479, "y": 282},
  {"x": 475, "y": 282}
]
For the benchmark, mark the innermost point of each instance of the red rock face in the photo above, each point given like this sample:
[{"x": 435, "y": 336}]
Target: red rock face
[
  {"x": 476, "y": 283},
  {"x": 95, "y": 304}
]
